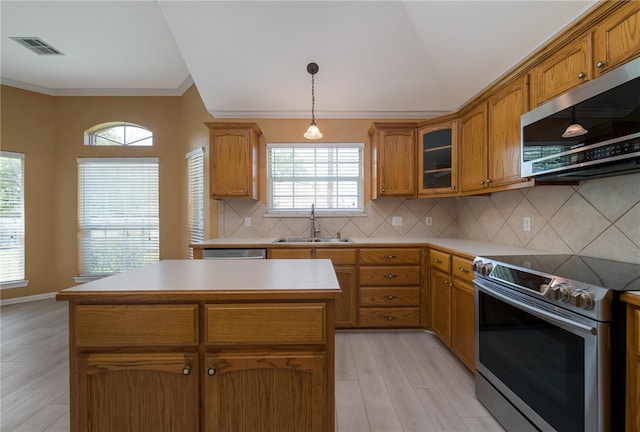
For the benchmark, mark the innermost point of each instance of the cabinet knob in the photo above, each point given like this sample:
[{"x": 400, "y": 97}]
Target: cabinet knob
[
  {"x": 186, "y": 370},
  {"x": 481, "y": 181},
  {"x": 446, "y": 282},
  {"x": 580, "y": 75},
  {"x": 464, "y": 270},
  {"x": 390, "y": 276},
  {"x": 384, "y": 190},
  {"x": 389, "y": 317},
  {"x": 390, "y": 256},
  {"x": 453, "y": 187},
  {"x": 246, "y": 191},
  {"x": 600, "y": 64},
  {"x": 211, "y": 371},
  {"x": 437, "y": 261},
  {"x": 489, "y": 181},
  {"x": 390, "y": 297}
]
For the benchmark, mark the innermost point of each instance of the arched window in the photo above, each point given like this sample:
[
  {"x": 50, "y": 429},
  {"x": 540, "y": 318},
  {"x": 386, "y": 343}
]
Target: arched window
[{"x": 119, "y": 134}]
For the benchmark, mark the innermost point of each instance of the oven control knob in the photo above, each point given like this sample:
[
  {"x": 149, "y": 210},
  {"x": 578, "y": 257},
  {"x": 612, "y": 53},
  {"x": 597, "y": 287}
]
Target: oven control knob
[
  {"x": 485, "y": 269},
  {"x": 559, "y": 292},
  {"x": 476, "y": 266},
  {"x": 582, "y": 299}
]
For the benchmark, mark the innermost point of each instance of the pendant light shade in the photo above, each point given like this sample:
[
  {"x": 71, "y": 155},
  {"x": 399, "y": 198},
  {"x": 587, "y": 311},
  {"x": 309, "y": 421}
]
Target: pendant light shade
[
  {"x": 313, "y": 132},
  {"x": 574, "y": 129}
]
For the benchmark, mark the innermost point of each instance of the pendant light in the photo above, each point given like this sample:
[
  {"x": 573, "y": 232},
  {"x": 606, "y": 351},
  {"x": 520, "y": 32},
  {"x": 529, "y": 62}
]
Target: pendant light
[
  {"x": 574, "y": 129},
  {"x": 313, "y": 132}
]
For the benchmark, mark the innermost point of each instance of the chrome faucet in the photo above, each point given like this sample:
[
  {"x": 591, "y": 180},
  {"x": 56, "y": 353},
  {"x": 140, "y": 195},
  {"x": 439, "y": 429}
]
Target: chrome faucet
[{"x": 315, "y": 232}]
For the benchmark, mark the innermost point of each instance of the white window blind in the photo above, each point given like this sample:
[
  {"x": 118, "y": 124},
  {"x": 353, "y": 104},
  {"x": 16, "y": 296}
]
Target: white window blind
[
  {"x": 195, "y": 209},
  {"x": 11, "y": 216},
  {"x": 118, "y": 214},
  {"x": 330, "y": 176}
]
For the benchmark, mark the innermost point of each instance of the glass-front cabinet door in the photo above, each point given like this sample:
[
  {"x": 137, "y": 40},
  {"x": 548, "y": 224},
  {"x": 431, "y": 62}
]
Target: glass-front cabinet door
[{"x": 438, "y": 145}]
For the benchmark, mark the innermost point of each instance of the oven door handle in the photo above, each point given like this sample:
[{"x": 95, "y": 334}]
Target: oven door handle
[{"x": 540, "y": 313}]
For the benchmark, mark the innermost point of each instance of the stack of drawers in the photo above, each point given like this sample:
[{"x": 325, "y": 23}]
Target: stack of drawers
[{"x": 389, "y": 288}]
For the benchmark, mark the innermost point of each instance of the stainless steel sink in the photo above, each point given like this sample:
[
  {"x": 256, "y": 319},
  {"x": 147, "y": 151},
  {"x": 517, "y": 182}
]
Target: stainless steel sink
[{"x": 312, "y": 240}]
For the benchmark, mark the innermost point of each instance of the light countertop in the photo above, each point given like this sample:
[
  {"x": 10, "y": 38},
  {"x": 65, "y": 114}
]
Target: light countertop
[
  {"x": 206, "y": 279},
  {"x": 468, "y": 247}
]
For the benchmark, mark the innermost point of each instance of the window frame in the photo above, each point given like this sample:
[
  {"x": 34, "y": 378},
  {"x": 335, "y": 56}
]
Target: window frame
[
  {"x": 20, "y": 277},
  {"x": 85, "y": 275},
  {"x": 304, "y": 212},
  {"x": 195, "y": 197},
  {"x": 91, "y": 134}
]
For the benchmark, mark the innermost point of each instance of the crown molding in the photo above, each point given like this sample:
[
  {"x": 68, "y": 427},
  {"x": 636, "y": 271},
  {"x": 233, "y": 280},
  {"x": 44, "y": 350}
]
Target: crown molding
[
  {"x": 179, "y": 91},
  {"x": 292, "y": 114}
]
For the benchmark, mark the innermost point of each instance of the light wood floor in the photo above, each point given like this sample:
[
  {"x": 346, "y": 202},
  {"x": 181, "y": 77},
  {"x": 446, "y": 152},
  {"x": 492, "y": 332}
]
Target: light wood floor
[{"x": 385, "y": 381}]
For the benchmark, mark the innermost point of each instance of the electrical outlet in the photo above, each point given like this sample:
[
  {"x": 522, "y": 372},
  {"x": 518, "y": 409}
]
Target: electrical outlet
[
  {"x": 396, "y": 221},
  {"x": 247, "y": 221},
  {"x": 526, "y": 223},
  {"x": 428, "y": 221}
]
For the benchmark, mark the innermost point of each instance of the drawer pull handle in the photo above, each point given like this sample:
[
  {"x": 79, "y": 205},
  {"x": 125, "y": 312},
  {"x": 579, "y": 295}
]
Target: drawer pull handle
[
  {"x": 600, "y": 64},
  {"x": 390, "y": 297},
  {"x": 580, "y": 75},
  {"x": 186, "y": 370},
  {"x": 390, "y": 276},
  {"x": 211, "y": 371},
  {"x": 437, "y": 261},
  {"x": 464, "y": 270},
  {"x": 388, "y": 317},
  {"x": 390, "y": 256}
]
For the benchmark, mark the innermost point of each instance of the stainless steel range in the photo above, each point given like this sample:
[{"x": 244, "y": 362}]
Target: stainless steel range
[{"x": 550, "y": 341}]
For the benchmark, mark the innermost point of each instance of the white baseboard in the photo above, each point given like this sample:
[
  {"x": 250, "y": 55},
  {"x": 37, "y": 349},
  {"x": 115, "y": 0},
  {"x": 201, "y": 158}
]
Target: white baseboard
[{"x": 27, "y": 298}]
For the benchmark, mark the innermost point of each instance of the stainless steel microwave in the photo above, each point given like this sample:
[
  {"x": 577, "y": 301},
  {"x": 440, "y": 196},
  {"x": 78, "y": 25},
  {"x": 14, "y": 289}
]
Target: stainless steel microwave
[{"x": 592, "y": 131}]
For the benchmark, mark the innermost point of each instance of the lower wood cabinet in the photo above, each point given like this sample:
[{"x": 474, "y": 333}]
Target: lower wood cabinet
[
  {"x": 276, "y": 391},
  {"x": 344, "y": 264},
  {"x": 452, "y": 304},
  {"x": 633, "y": 367},
  {"x": 138, "y": 392},
  {"x": 235, "y": 366},
  {"x": 389, "y": 287}
]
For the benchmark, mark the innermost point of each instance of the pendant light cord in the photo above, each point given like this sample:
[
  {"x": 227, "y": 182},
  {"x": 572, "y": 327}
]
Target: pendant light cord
[{"x": 313, "y": 100}]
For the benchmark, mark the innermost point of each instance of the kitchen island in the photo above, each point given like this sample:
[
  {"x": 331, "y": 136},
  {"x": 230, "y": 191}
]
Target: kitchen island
[{"x": 196, "y": 345}]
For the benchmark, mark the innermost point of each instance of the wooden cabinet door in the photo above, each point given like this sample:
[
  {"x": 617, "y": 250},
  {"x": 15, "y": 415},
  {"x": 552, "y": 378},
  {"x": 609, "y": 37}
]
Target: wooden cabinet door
[
  {"x": 147, "y": 392},
  {"x": 617, "y": 38},
  {"x": 256, "y": 392},
  {"x": 233, "y": 160},
  {"x": 441, "y": 305},
  {"x": 396, "y": 162},
  {"x": 564, "y": 70},
  {"x": 633, "y": 369},
  {"x": 346, "y": 303},
  {"x": 503, "y": 119},
  {"x": 438, "y": 159},
  {"x": 463, "y": 322},
  {"x": 473, "y": 150},
  {"x": 290, "y": 253}
]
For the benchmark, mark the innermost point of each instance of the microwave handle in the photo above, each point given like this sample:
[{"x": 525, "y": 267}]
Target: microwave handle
[{"x": 540, "y": 313}]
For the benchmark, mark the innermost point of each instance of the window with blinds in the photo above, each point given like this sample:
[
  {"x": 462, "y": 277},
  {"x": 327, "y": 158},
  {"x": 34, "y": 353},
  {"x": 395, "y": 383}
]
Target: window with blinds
[
  {"x": 11, "y": 218},
  {"x": 195, "y": 197},
  {"x": 329, "y": 176},
  {"x": 118, "y": 214}
]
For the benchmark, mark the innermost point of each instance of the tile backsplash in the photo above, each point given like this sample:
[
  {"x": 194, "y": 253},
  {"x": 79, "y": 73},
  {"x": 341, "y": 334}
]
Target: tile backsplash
[{"x": 598, "y": 218}]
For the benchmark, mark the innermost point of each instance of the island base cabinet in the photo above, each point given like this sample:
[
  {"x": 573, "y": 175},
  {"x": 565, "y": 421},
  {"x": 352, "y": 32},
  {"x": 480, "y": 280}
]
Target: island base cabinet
[
  {"x": 142, "y": 392},
  {"x": 262, "y": 392}
]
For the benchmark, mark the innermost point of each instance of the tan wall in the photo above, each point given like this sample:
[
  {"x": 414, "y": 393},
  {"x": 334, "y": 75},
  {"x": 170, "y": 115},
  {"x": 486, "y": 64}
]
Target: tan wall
[
  {"x": 28, "y": 126},
  {"x": 50, "y": 131}
]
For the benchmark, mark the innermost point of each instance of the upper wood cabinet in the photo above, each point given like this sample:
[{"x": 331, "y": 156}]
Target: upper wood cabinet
[
  {"x": 564, "y": 70},
  {"x": 394, "y": 150},
  {"x": 490, "y": 141},
  {"x": 438, "y": 159},
  {"x": 473, "y": 149},
  {"x": 233, "y": 160},
  {"x": 617, "y": 38},
  {"x": 503, "y": 133},
  {"x": 610, "y": 43}
]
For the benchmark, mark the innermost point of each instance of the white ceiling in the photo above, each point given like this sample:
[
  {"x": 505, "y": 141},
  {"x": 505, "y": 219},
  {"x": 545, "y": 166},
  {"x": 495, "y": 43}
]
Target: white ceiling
[{"x": 378, "y": 59}]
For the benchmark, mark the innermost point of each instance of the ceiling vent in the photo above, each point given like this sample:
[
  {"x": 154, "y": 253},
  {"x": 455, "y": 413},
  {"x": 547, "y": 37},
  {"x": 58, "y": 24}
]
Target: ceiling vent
[{"x": 37, "y": 45}]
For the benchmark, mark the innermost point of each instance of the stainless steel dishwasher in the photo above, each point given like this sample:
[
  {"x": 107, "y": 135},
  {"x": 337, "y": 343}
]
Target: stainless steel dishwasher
[{"x": 225, "y": 254}]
